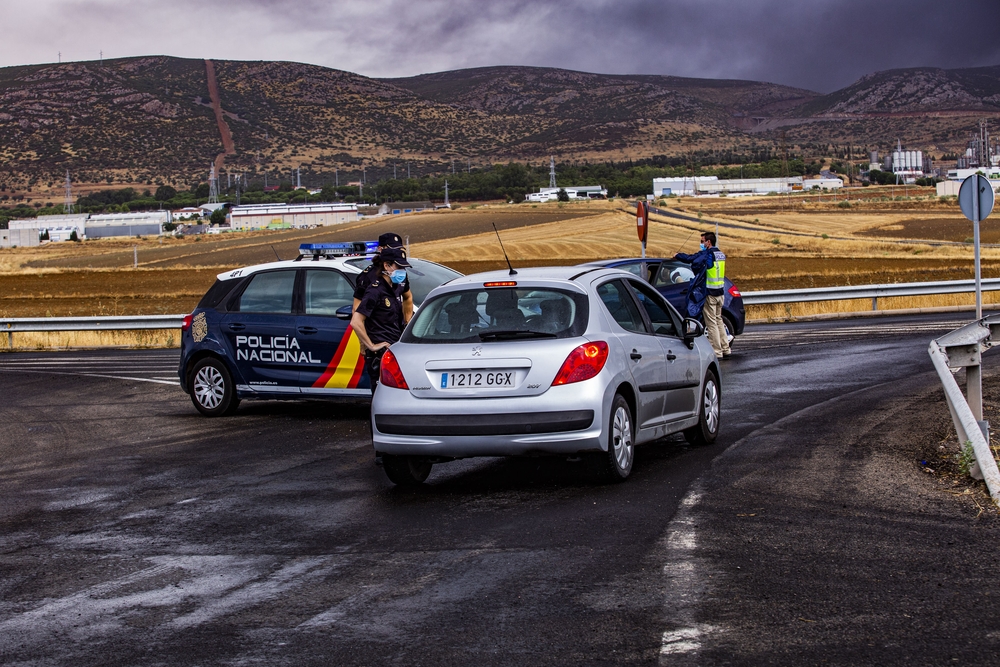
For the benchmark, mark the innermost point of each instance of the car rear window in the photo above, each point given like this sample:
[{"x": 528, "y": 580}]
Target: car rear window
[
  {"x": 217, "y": 292},
  {"x": 497, "y": 314}
]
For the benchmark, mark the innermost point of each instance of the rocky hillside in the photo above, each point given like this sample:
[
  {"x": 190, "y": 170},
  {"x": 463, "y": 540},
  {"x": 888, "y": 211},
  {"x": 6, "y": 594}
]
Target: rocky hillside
[{"x": 150, "y": 120}]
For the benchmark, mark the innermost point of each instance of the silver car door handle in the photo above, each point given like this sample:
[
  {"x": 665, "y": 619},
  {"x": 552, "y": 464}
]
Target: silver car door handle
[
  {"x": 635, "y": 355},
  {"x": 671, "y": 356}
]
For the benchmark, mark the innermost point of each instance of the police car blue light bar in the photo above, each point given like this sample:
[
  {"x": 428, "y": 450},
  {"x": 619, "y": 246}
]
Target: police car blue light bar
[{"x": 339, "y": 249}]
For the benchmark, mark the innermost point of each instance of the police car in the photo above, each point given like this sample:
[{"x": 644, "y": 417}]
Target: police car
[{"x": 282, "y": 330}]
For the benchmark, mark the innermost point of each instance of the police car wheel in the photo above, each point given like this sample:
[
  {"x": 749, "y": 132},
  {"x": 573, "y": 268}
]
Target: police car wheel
[
  {"x": 212, "y": 390},
  {"x": 709, "y": 412},
  {"x": 406, "y": 470},
  {"x": 730, "y": 328}
]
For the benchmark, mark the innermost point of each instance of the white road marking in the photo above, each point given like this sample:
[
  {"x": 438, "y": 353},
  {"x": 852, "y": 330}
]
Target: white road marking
[{"x": 685, "y": 583}]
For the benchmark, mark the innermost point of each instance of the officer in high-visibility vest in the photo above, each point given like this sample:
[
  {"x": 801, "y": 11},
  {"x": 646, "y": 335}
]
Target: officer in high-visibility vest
[
  {"x": 715, "y": 283},
  {"x": 706, "y": 291}
]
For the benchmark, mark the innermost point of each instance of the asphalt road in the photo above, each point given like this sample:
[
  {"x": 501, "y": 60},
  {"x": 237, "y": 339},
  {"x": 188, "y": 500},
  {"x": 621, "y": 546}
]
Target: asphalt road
[{"x": 134, "y": 531}]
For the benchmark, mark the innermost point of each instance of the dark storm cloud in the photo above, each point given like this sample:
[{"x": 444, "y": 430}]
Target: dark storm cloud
[{"x": 816, "y": 45}]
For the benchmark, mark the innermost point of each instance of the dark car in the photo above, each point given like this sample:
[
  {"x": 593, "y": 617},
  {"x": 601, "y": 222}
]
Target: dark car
[
  {"x": 671, "y": 277},
  {"x": 282, "y": 330}
]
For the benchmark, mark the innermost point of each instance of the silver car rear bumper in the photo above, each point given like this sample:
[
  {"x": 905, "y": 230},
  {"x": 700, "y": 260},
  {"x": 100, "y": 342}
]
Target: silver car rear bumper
[{"x": 563, "y": 420}]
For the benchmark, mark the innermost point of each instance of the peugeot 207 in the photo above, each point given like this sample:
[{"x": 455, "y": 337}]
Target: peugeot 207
[{"x": 557, "y": 360}]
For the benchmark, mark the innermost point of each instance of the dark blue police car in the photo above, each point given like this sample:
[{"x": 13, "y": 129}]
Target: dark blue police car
[{"x": 281, "y": 330}]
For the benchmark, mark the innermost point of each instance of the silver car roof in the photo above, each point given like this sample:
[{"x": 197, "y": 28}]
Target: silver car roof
[{"x": 578, "y": 277}]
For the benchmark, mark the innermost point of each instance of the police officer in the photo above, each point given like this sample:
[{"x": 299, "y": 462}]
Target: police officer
[
  {"x": 387, "y": 240},
  {"x": 378, "y": 319},
  {"x": 707, "y": 292},
  {"x": 715, "y": 283}
]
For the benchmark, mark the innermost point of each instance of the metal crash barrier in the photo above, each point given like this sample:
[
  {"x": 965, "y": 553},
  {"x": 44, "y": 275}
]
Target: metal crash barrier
[
  {"x": 963, "y": 348},
  {"x": 14, "y": 325}
]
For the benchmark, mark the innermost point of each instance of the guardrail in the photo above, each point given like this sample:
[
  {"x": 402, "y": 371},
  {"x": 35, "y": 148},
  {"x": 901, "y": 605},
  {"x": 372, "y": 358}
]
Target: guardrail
[
  {"x": 963, "y": 348},
  {"x": 14, "y": 325},
  {"x": 873, "y": 292}
]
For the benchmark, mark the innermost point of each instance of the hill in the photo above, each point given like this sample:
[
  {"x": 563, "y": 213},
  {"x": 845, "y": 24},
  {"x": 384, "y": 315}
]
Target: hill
[{"x": 152, "y": 120}]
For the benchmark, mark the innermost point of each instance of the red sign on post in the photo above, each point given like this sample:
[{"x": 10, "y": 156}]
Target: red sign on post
[{"x": 642, "y": 221}]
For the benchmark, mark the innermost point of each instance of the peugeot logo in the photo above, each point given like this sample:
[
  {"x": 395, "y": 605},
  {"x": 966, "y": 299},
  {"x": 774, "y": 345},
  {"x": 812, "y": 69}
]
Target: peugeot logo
[{"x": 477, "y": 351}]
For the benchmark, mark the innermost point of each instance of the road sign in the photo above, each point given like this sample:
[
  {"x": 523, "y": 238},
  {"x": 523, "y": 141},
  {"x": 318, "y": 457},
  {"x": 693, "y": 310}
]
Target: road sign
[
  {"x": 976, "y": 197},
  {"x": 642, "y": 221}
]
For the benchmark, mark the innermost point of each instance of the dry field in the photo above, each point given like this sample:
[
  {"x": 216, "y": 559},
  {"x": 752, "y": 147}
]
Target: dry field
[{"x": 808, "y": 243}]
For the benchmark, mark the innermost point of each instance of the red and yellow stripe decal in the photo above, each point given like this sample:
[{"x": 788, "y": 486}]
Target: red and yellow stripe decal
[{"x": 344, "y": 370}]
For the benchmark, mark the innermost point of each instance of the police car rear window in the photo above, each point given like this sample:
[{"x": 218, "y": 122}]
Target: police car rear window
[{"x": 217, "y": 293}]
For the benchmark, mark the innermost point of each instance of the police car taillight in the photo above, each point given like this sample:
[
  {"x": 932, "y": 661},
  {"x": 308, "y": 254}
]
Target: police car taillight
[
  {"x": 186, "y": 322},
  {"x": 338, "y": 249},
  {"x": 734, "y": 292},
  {"x": 391, "y": 375}
]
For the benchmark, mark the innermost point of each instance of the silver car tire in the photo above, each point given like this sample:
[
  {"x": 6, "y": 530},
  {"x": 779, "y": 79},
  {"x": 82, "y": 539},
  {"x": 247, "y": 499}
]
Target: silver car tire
[
  {"x": 709, "y": 413},
  {"x": 621, "y": 443},
  {"x": 212, "y": 390},
  {"x": 406, "y": 470}
]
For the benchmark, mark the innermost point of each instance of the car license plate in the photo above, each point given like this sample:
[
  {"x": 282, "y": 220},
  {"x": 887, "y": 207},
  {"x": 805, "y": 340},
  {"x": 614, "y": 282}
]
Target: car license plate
[{"x": 471, "y": 379}]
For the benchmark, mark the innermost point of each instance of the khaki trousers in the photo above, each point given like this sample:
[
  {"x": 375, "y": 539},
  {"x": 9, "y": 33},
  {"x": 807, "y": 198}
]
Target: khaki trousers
[{"x": 715, "y": 328}]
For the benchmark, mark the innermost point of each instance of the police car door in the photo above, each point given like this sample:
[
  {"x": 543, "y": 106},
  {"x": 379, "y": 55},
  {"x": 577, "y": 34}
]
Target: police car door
[
  {"x": 334, "y": 363},
  {"x": 672, "y": 280},
  {"x": 260, "y": 330},
  {"x": 682, "y": 363}
]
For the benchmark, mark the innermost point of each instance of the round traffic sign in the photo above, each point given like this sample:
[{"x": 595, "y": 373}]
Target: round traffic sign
[
  {"x": 642, "y": 220},
  {"x": 975, "y": 197}
]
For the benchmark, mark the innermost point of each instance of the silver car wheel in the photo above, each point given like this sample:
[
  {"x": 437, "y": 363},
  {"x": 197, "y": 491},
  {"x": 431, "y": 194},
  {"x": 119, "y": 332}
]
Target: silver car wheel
[
  {"x": 209, "y": 387},
  {"x": 711, "y": 406},
  {"x": 622, "y": 438}
]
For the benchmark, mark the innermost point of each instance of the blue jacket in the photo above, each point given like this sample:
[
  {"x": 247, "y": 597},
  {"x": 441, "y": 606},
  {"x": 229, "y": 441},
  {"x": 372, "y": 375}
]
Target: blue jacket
[{"x": 700, "y": 263}]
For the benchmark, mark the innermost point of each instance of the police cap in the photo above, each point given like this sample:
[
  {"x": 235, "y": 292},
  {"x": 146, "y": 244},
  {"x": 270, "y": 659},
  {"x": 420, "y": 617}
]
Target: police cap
[
  {"x": 395, "y": 255},
  {"x": 390, "y": 240}
]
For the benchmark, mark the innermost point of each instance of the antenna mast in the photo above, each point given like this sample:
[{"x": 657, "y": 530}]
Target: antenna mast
[
  {"x": 512, "y": 271},
  {"x": 213, "y": 187},
  {"x": 68, "y": 206},
  {"x": 446, "y": 194},
  {"x": 552, "y": 172}
]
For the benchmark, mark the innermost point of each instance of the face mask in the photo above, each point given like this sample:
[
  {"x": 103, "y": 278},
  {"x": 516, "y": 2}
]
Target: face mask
[
  {"x": 702, "y": 246},
  {"x": 398, "y": 276}
]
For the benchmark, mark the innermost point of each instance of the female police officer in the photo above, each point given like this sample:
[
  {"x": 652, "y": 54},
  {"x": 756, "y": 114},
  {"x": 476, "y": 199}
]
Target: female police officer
[{"x": 378, "y": 319}]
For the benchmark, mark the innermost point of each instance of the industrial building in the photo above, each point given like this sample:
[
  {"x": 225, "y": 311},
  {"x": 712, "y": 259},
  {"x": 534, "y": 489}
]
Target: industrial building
[
  {"x": 575, "y": 192},
  {"x": 18, "y": 238},
  {"x": 712, "y": 185},
  {"x": 127, "y": 224},
  {"x": 58, "y": 227},
  {"x": 286, "y": 216}
]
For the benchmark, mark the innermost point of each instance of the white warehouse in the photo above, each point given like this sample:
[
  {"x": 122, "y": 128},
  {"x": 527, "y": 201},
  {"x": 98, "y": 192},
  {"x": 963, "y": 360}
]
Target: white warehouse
[
  {"x": 284, "y": 216},
  {"x": 713, "y": 185},
  {"x": 578, "y": 192}
]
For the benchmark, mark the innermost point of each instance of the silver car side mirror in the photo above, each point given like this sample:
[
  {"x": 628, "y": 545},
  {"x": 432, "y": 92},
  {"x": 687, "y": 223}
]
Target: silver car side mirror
[{"x": 692, "y": 329}]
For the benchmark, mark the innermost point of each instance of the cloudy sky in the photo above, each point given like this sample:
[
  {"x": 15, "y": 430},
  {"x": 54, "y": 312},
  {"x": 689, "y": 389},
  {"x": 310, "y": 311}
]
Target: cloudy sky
[{"x": 816, "y": 44}]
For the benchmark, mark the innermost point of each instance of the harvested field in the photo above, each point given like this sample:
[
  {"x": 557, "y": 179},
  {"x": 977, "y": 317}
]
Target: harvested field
[
  {"x": 242, "y": 249},
  {"x": 951, "y": 228}
]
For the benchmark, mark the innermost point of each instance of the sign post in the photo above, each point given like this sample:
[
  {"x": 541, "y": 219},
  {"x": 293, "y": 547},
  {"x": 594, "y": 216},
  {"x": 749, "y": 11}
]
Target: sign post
[
  {"x": 976, "y": 199},
  {"x": 642, "y": 227}
]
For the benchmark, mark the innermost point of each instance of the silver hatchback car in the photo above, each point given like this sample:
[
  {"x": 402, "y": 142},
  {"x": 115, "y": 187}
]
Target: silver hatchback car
[{"x": 557, "y": 360}]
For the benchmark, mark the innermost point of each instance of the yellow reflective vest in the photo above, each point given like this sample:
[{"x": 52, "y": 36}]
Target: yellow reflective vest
[{"x": 715, "y": 279}]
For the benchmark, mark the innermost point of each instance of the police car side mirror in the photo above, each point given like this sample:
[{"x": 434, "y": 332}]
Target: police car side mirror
[
  {"x": 692, "y": 329},
  {"x": 345, "y": 312}
]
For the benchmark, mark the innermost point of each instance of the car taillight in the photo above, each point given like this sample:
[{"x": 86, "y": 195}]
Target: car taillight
[
  {"x": 734, "y": 291},
  {"x": 391, "y": 375},
  {"x": 186, "y": 322},
  {"x": 583, "y": 363}
]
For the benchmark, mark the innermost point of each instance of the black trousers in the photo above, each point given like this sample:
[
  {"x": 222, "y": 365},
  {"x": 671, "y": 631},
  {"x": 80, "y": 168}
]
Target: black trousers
[{"x": 373, "y": 366}]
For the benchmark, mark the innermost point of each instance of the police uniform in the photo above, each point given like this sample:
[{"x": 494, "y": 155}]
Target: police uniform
[
  {"x": 368, "y": 274},
  {"x": 382, "y": 307}
]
